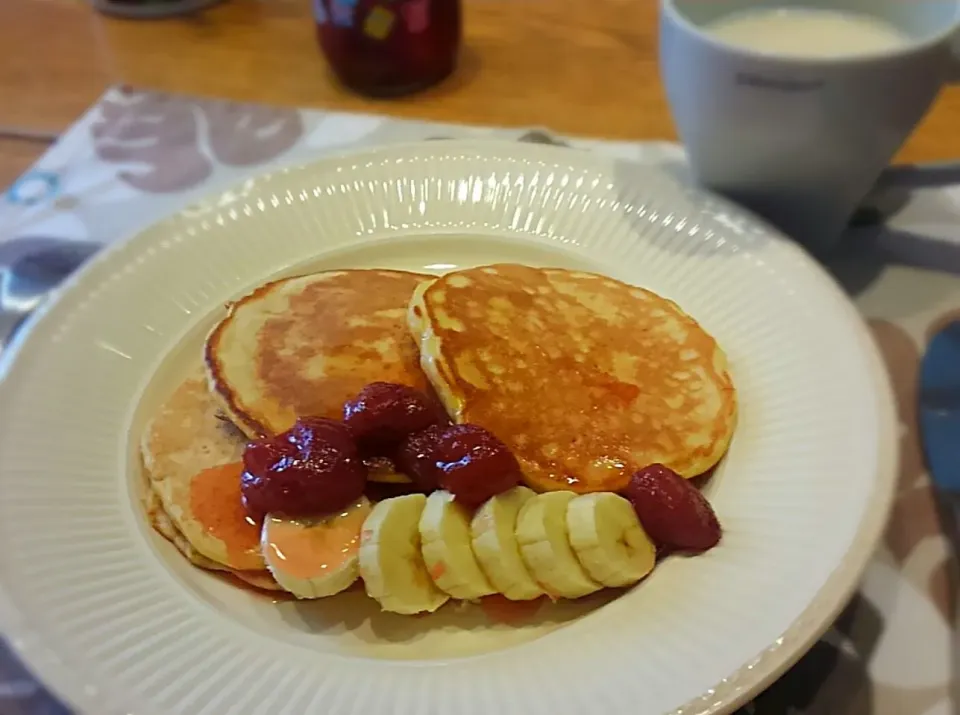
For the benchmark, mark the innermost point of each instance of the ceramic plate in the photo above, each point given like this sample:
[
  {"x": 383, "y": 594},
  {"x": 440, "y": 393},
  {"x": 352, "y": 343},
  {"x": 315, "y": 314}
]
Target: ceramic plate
[{"x": 116, "y": 622}]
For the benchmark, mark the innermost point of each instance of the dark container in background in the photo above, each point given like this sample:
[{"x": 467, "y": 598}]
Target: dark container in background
[
  {"x": 387, "y": 48},
  {"x": 150, "y": 9}
]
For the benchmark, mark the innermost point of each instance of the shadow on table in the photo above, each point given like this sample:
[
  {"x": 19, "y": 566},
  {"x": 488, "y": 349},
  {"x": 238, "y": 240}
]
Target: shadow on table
[
  {"x": 869, "y": 245},
  {"x": 947, "y": 507},
  {"x": 832, "y": 677},
  {"x": 866, "y": 253},
  {"x": 19, "y": 692}
]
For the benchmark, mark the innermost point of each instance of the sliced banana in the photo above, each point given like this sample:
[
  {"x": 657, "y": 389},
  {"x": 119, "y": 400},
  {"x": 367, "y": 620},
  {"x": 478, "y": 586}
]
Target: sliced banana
[
  {"x": 318, "y": 558},
  {"x": 446, "y": 548},
  {"x": 545, "y": 547},
  {"x": 608, "y": 539},
  {"x": 493, "y": 532},
  {"x": 391, "y": 564}
]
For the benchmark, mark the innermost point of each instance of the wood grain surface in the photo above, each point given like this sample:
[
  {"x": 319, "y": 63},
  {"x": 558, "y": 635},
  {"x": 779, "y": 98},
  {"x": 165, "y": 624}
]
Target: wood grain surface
[{"x": 586, "y": 67}]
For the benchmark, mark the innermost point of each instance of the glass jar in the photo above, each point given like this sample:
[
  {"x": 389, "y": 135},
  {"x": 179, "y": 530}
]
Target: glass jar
[{"x": 387, "y": 48}]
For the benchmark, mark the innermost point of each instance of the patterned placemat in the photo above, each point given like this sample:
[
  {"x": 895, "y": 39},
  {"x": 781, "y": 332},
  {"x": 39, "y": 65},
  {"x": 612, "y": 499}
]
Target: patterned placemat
[{"x": 135, "y": 157}]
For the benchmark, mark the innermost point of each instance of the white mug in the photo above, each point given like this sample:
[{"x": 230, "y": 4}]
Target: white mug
[{"x": 800, "y": 141}]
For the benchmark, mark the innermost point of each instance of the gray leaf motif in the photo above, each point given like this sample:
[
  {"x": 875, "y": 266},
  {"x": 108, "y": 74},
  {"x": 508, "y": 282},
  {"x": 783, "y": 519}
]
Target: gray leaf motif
[
  {"x": 249, "y": 134},
  {"x": 159, "y": 137},
  {"x": 20, "y": 693},
  {"x": 30, "y": 267},
  {"x": 157, "y": 134}
]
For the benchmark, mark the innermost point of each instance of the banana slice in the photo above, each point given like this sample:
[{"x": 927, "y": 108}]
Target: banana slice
[
  {"x": 608, "y": 539},
  {"x": 446, "y": 549},
  {"x": 545, "y": 547},
  {"x": 493, "y": 532},
  {"x": 313, "y": 559},
  {"x": 391, "y": 564}
]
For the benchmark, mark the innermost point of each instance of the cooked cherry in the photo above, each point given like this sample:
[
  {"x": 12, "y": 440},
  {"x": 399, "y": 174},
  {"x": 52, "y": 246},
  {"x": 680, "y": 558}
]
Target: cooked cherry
[
  {"x": 310, "y": 470},
  {"x": 260, "y": 456},
  {"x": 672, "y": 510},
  {"x": 306, "y": 430},
  {"x": 416, "y": 457},
  {"x": 474, "y": 464},
  {"x": 384, "y": 413}
]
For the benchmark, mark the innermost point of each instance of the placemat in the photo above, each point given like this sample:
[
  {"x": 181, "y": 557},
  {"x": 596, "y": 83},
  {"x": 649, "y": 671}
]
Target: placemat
[{"x": 137, "y": 156}]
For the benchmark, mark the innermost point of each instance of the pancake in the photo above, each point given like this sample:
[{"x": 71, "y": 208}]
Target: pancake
[
  {"x": 192, "y": 459},
  {"x": 305, "y": 345},
  {"x": 162, "y": 524},
  {"x": 160, "y": 521},
  {"x": 585, "y": 378}
]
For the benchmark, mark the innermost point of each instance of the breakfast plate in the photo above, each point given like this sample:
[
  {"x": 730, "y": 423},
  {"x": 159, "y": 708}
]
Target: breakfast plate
[{"x": 115, "y": 619}]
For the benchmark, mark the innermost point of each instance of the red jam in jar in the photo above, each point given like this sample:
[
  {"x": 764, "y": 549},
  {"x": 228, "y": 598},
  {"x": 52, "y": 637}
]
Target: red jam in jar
[{"x": 389, "y": 47}]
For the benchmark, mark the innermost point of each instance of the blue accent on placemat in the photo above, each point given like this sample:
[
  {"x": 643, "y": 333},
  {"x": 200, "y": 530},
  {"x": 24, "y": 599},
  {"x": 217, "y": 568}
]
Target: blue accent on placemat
[
  {"x": 33, "y": 187},
  {"x": 940, "y": 407}
]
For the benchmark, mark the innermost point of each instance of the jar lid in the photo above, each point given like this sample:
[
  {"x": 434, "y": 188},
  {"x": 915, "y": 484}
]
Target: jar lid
[{"x": 150, "y": 9}]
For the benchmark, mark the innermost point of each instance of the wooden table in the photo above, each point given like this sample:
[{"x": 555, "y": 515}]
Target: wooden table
[{"x": 578, "y": 66}]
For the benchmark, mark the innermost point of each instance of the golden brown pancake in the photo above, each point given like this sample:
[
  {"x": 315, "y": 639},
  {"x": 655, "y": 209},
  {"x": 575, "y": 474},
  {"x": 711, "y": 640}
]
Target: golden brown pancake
[
  {"x": 188, "y": 454},
  {"x": 304, "y": 346},
  {"x": 585, "y": 378},
  {"x": 160, "y": 521}
]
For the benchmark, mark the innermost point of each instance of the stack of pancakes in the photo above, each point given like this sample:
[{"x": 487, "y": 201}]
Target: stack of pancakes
[{"x": 585, "y": 378}]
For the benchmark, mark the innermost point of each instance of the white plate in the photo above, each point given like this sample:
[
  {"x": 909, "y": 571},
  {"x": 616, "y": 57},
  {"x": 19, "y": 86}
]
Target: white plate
[{"x": 116, "y": 622}]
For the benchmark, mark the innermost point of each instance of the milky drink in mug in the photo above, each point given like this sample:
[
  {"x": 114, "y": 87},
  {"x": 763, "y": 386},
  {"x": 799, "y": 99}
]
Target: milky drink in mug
[
  {"x": 794, "y": 110},
  {"x": 807, "y": 32}
]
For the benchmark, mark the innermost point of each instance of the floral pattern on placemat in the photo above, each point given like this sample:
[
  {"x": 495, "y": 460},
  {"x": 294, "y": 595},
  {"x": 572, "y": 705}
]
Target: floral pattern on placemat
[
  {"x": 903, "y": 615},
  {"x": 916, "y": 519},
  {"x": 139, "y": 156},
  {"x": 174, "y": 141}
]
